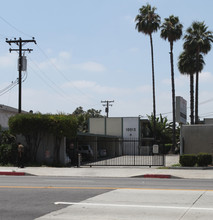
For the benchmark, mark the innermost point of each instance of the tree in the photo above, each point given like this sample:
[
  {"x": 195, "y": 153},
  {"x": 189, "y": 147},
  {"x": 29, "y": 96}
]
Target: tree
[
  {"x": 198, "y": 41},
  {"x": 171, "y": 30},
  {"x": 8, "y": 148},
  {"x": 163, "y": 129},
  {"x": 34, "y": 127},
  {"x": 187, "y": 64},
  {"x": 83, "y": 117},
  {"x": 148, "y": 22},
  {"x": 61, "y": 126}
]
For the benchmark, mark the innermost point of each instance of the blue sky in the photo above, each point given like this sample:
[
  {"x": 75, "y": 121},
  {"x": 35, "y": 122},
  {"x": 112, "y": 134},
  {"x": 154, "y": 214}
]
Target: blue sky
[{"x": 89, "y": 50}]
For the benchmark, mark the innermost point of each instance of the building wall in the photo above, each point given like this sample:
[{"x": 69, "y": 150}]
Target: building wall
[
  {"x": 97, "y": 126},
  {"x": 4, "y": 117},
  {"x": 125, "y": 127},
  {"x": 208, "y": 121},
  {"x": 5, "y": 113},
  {"x": 114, "y": 126},
  {"x": 197, "y": 138}
]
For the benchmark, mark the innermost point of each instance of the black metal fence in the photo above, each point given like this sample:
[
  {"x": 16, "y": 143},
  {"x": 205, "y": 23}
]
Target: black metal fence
[{"x": 121, "y": 153}]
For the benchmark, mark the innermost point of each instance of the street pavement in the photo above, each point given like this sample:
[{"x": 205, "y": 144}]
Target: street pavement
[
  {"x": 153, "y": 172},
  {"x": 137, "y": 204}
]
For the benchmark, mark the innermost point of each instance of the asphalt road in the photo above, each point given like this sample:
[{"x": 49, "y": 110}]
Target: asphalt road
[{"x": 29, "y": 197}]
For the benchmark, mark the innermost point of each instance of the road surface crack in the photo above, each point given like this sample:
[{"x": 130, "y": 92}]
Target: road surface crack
[{"x": 192, "y": 205}]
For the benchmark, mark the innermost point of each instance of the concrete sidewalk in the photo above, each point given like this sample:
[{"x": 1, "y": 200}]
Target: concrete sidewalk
[
  {"x": 109, "y": 172},
  {"x": 153, "y": 172}
]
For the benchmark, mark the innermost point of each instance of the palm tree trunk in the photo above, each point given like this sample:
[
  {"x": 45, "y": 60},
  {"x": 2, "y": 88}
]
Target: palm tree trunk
[
  {"x": 192, "y": 97},
  {"x": 153, "y": 88},
  {"x": 196, "y": 89},
  {"x": 173, "y": 98}
]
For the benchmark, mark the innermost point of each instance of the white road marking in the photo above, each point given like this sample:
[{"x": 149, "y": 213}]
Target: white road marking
[{"x": 134, "y": 206}]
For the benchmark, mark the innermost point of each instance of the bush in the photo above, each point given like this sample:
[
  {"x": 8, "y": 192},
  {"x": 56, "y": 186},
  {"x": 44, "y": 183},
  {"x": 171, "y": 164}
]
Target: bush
[
  {"x": 167, "y": 148},
  {"x": 204, "y": 159},
  {"x": 188, "y": 160},
  {"x": 8, "y": 154}
]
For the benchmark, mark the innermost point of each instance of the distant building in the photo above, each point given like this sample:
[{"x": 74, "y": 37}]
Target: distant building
[{"x": 5, "y": 113}]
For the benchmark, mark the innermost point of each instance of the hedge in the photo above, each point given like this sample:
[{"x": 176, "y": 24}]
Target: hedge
[
  {"x": 204, "y": 159},
  {"x": 190, "y": 160}
]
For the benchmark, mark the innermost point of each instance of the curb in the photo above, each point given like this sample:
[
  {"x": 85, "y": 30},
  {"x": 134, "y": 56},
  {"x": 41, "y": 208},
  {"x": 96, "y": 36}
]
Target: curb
[
  {"x": 12, "y": 173},
  {"x": 163, "y": 176}
]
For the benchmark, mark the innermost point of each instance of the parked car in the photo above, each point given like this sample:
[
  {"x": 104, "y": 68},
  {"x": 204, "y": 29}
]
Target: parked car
[
  {"x": 86, "y": 152},
  {"x": 102, "y": 152}
]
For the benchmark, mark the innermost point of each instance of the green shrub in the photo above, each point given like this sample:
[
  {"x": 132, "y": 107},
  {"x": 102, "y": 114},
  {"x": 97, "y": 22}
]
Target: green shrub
[
  {"x": 167, "y": 148},
  {"x": 204, "y": 159},
  {"x": 8, "y": 154},
  {"x": 188, "y": 160}
]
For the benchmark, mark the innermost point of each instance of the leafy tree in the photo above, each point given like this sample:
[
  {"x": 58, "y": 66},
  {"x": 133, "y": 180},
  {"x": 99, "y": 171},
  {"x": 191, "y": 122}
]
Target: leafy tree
[
  {"x": 171, "y": 30},
  {"x": 198, "y": 41},
  {"x": 35, "y": 126},
  {"x": 8, "y": 148},
  {"x": 61, "y": 126},
  {"x": 187, "y": 64},
  {"x": 148, "y": 22},
  {"x": 83, "y": 117},
  {"x": 163, "y": 129}
]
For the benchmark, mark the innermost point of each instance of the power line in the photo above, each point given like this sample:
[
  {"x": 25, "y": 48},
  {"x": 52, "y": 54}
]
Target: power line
[
  {"x": 12, "y": 26},
  {"x": 50, "y": 83},
  {"x": 63, "y": 75}
]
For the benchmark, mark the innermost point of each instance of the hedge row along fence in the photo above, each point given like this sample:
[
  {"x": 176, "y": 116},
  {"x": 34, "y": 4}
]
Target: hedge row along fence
[
  {"x": 190, "y": 160},
  {"x": 34, "y": 127}
]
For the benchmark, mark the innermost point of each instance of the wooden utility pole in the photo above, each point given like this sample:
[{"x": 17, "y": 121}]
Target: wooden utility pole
[
  {"x": 20, "y": 44},
  {"x": 107, "y": 106}
]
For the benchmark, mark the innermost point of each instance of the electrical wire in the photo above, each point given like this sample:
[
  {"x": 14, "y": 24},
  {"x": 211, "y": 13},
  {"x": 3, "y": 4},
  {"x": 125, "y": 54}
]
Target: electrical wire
[
  {"x": 12, "y": 26},
  {"x": 13, "y": 84},
  {"x": 51, "y": 84},
  {"x": 63, "y": 75}
]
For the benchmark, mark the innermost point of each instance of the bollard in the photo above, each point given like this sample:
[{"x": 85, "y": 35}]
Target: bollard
[{"x": 79, "y": 160}]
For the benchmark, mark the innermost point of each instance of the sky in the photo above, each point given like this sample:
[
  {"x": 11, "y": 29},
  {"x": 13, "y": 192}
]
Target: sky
[{"x": 89, "y": 51}]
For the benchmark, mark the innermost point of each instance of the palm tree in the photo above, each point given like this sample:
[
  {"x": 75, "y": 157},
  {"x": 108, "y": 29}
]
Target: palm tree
[
  {"x": 198, "y": 40},
  {"x": 187, "y": 64},
  {"x": 171, "y": 30},
  {"x": 148, "y": 22}
]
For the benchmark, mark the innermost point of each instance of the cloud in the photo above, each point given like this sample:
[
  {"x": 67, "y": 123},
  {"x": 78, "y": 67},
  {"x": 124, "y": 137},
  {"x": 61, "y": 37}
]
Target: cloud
[
  {"x": 8, "y": 60},
  {"x": 65, "y": 55},
  {"x": 206, "y": 77},
  {"x": 63, "y": 61},
  {"x": 99, "y": 89},
  {"x": 90, "y": 66},
  {"x": 180, "y": 81}
]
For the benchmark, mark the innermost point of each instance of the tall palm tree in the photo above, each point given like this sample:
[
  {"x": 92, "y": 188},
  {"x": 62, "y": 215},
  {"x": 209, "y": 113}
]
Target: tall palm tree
[
  {"x": 148, "y": 22},
  {"x": 187, "y": 64},
  {"x": 171, "y": 30},
  {"x": 198, "y": 40}
]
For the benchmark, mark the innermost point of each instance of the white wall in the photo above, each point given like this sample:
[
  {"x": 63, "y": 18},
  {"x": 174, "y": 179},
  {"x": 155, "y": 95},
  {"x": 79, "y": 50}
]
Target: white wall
[{"x": 114, "y": 126}]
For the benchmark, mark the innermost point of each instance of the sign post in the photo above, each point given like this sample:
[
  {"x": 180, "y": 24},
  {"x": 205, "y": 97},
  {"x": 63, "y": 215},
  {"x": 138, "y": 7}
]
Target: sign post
[{"x": 181, "y": 117}]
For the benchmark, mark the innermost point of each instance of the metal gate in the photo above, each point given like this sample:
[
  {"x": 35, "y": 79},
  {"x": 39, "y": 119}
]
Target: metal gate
[{"x": 122, "y": 153}]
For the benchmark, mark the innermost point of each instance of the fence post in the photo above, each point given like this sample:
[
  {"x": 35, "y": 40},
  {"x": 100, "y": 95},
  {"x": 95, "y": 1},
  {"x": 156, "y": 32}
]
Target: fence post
[{"x": 79, "y": 160}]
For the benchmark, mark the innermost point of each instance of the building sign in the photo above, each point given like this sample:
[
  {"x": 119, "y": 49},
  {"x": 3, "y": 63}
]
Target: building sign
[
  {"x": 131, "y": 128},
  {"x": 181, "y": 110}
]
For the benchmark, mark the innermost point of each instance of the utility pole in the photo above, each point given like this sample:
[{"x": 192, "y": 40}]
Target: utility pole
[
  {"x": 107, "y": 106},
  {"x": 20, "y": 43}
]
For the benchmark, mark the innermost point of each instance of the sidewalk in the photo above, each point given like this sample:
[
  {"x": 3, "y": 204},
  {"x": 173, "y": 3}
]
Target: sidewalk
[
  {"x": 153, "y": 172},
  {"x": 109, "y": 172}
]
